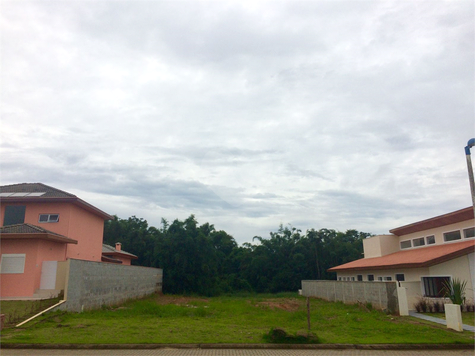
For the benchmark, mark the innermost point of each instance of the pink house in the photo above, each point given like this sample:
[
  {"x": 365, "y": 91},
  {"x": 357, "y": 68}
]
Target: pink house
[
  {"x": 41, "y": 225},
  {"x": 117, "y": 255}
]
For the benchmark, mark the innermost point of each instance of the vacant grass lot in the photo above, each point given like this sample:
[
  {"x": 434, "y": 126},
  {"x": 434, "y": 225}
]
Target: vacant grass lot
[{"x": 243, "y": 319}]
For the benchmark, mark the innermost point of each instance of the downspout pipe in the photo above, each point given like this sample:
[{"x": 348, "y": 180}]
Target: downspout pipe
[{"x": 470, "y": 144}]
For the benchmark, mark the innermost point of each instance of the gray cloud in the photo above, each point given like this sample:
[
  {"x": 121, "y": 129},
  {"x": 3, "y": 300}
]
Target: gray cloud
[{"x": 319, "y": 114}]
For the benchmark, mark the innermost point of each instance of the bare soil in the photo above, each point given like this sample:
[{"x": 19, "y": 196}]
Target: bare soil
[
  {"x": 289, "y": 304},
  {"x": 178, "y": 300}
]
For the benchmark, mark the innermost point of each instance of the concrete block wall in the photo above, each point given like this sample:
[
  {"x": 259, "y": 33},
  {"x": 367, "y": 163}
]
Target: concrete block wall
[
  {"x": 381, "y": 295},
  {"x": 90, "y": 285}
]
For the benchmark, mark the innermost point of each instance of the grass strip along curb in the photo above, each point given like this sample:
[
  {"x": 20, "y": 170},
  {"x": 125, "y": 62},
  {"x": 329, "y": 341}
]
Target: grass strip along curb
[{"x": 241, "y": 346}]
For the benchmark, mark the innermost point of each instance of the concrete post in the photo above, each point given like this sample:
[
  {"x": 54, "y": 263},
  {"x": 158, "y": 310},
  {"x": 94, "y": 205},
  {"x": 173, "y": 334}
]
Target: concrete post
[
  {"x": 453, "y": 315},
  {"x": 402, "y": 300}
]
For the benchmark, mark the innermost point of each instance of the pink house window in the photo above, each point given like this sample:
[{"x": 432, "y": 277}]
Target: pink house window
[
  {"x": 12, "y": 263},
  {"x": 14, "y": 214}
]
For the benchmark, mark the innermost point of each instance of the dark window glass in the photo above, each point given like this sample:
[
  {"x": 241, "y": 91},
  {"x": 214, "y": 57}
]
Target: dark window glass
[
  {"x": 470, "y": 232},
  {"x": 451, "y": 236},
  {"x": 434, "y": 286},
  {"x": 14, "y": 214},
  {"x": 430, "y": 239},
  {"x": 405, "y": 244},
  {"x": 48, "y": 218},
  {"x": 370, "y": 277},
  {"x": 400, "y": 277},
  {"x": 418, "y": 242},
  {"x": 360, "y": 277}
]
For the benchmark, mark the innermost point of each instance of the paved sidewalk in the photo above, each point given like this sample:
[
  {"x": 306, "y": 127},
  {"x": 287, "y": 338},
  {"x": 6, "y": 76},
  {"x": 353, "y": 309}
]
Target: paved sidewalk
[
  {"x": 234, "y": 352},
  {"x": 439, "y": 320}
]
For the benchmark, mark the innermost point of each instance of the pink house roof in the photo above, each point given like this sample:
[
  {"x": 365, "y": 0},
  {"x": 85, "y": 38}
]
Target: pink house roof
[
  {"x": 28, "y": 231},
  {"x": 110, "y": 251},
  {"x": 39, "y": 192},
  {"x": 438, "y": 221},
  {"x": 418, "y": 257}
]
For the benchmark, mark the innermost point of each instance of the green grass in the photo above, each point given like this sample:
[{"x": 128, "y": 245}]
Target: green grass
[
  {"x": 467, "y": 318},
  {"x": 17, "y": 311},
  {"x": 243, "y": 319}
]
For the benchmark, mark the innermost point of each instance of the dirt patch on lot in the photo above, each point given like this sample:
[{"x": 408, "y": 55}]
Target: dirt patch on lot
[
  {"x": 178, "y": 300},
  {"x": 290, "y": 305}
]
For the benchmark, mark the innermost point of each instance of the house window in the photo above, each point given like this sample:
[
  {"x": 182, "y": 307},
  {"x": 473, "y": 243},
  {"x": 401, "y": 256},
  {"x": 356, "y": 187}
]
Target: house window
[
  {"x": 418, "y": 242},
  {"x": 48, "y": 218},
  {"x": 468, "y": 233},
  {"x": 406, "y": 244},
  {"x": 452, "y": 236},
  {"x": 380, "y": 279},
  {"x": 339, "y": 278},
  {"x": 12, "y": 263},
  {"x": 400, "y": 277},
  {"x": 430, "y": 240},
  {"x": 352, "y": 278},
  {"x": 388, "y": 278},
  {"x": 434, "y": 286},
  {"x": 370, "y": 277},
  {"x": 359, "y": 277},
  {"x": 14, "y": 214}
]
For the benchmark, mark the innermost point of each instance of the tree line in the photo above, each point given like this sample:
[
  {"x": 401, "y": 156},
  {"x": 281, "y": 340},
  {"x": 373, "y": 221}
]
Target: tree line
[{"x": 198, "y": 259}]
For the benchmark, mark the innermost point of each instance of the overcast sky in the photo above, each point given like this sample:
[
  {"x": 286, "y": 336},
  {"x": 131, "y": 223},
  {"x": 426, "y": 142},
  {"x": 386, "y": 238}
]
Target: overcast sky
[{"x": 320, "y": 114}]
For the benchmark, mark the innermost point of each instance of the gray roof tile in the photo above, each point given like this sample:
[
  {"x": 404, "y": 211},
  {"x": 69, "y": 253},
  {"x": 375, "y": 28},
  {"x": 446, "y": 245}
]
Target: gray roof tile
[
  {"x": 30, "y": 229},
  {"x": 50, "y": 192}
]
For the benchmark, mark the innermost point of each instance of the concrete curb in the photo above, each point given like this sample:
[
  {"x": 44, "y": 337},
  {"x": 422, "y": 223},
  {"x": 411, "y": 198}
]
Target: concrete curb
[{"x": 241, "y": 346}]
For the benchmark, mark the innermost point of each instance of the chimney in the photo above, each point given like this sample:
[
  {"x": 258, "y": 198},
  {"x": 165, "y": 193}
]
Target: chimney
[{"x": 118, "y": 246}]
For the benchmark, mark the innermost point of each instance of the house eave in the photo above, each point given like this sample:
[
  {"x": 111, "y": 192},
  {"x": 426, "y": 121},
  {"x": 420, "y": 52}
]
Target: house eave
[
  {"x": 41, "y": 236},
  {"x": 438, "y": 221},
  {"x": 119, "y": 254},
  {"x": 424, "y": 264},
  {"x": 74, "y": 200}
]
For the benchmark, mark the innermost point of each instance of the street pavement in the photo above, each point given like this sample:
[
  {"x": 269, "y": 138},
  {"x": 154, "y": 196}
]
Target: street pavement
[{"x": 233, "y": 352}]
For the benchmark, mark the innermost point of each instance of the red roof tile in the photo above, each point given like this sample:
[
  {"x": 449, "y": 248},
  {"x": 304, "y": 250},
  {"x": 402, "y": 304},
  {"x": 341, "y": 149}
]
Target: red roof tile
[{"x": 418, "y": 257}]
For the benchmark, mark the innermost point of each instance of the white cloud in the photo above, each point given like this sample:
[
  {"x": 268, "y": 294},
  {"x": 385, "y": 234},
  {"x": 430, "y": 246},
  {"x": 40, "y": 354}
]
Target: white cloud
[{"x": 319, "y": 114}]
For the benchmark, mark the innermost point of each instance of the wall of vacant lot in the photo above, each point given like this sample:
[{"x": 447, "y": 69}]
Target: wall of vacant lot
[
  {"x": 381, "y": 295},
  {"x": 91, "y": 285}
]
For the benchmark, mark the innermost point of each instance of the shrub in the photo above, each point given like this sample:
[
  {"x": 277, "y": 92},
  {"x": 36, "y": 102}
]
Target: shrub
[
  {"x": 455, "y": 290},
  {"x": 422, "y": 305},
  {"x": 468, "y": 307},
  {"x": 438, "y": 306}
]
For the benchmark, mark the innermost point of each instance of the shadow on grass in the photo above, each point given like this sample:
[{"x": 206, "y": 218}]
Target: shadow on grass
[{"x": 280, "y": 336}]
